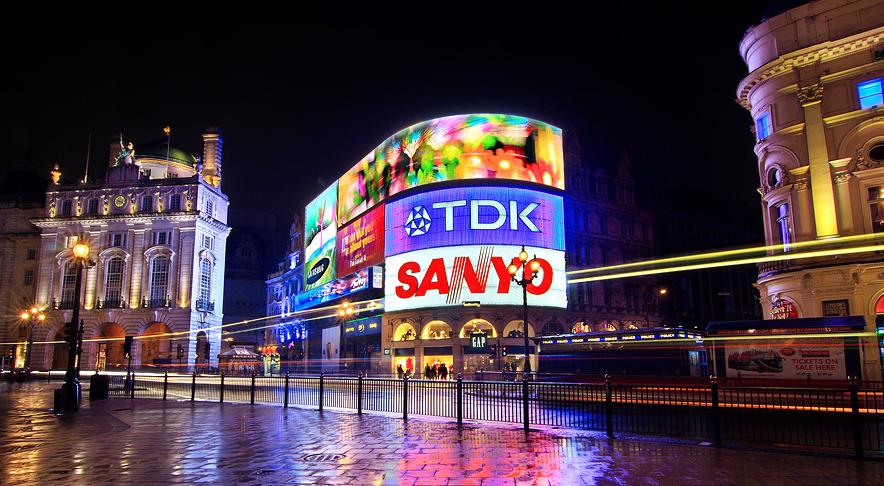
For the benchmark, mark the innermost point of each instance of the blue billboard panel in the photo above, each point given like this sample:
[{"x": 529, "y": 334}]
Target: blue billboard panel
[
  {"x": 474, "y": 216},
  {"x": 337, "y": 288}
]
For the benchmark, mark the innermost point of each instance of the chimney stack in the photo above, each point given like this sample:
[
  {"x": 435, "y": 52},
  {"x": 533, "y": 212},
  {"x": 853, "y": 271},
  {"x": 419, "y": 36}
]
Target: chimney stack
[{"x": 212, "y": 142}]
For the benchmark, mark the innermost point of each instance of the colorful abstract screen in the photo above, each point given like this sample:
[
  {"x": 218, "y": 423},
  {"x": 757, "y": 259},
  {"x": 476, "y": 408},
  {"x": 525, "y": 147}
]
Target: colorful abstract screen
[
  {"x": 456, "y": 147},
  {"x": 320, "y": 230}
]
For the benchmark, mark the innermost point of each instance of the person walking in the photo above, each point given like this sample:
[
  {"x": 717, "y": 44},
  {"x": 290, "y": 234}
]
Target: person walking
[
  {"x": 399, "y": 371},
  {"x": 443, "y": 372}
]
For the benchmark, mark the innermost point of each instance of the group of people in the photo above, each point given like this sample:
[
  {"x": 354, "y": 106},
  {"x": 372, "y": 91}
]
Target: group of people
[{"x": 436, "y": 371}]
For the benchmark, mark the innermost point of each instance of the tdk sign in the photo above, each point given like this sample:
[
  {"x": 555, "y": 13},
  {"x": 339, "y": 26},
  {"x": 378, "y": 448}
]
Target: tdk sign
[{"x": 474, "y": 216}]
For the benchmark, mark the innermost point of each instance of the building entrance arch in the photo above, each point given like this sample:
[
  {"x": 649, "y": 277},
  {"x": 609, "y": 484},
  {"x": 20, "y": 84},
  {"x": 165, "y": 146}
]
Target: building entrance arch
[
  {"x": 109, "y": 349},
  {"x": 156, "y": 345}
]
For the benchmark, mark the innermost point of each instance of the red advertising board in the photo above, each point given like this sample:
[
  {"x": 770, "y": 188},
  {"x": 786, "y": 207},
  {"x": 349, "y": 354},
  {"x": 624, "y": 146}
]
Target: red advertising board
[{"x": 361, "y": 243}]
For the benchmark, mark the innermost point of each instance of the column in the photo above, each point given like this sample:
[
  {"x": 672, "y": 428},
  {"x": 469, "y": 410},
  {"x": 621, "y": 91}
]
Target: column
[{"x": 821, "y": 188}]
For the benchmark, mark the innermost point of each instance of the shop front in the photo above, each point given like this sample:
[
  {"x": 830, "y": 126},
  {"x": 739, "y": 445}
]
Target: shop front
[{"x": 361, "y": 346}]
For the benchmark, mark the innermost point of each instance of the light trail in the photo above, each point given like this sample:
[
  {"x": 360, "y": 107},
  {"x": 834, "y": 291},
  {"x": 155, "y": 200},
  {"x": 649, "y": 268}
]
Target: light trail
[
  {"x": 728, "y": 263},
  {"x": 734, "y": 252}
]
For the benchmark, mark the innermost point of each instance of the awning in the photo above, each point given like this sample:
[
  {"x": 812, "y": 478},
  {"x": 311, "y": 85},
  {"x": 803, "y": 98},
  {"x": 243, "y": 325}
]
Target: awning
[{"x": 840, "y": 323}]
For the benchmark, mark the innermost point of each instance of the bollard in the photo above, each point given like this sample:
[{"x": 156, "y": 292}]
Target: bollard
[
  {"x": 716, "y": 420},
  {"x": 132, "y": 388},
  {"x": 221, "y": 393},
  {"x": 285, "y": 398},
  {"x": 321, "y": 385},
  {"x": 525, "y": 418},
  {"x": 49, "y": 376},
  {"x": 857, "y": 418},
  {"x": 359, "y": 395},
  {"x": 459, "y": 399},
  {"x": 165, "y": 384},
  {"x": 193, "y": 387},
  {"x": 609, "y": 408},
  {"x": 405, "y": 398},
  {"x": 252, "y": 399}
]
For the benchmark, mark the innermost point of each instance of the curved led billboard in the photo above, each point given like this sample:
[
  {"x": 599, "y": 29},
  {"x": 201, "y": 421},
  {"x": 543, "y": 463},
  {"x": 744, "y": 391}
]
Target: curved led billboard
[
  {"x": 474, "y": 216},
  {"x": 320, "y": 230},
  {"x": 477, "y": 146},
  {"x": 475, "y": 274}
]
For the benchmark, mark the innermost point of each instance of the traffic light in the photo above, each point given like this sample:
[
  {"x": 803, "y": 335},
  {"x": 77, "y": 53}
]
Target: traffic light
[
  {"x": 127, "y": 346},
  {"x": 11, "y": 354},
  {"x": 492, "y": 351},
  {"x": 180, "y": 352},
  {"x": 503, "y": 351}
]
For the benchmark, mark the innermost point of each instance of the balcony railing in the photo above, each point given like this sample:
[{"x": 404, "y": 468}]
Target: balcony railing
[
  {"x": 153, "y": 303},
  {"x": 64, "y": 304},
  {"x": 115, "y": 303},
  {"x": 205, "y": 305}
]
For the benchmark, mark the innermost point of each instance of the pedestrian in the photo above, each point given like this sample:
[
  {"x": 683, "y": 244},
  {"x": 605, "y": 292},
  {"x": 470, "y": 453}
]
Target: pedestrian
[
  {"x": 399, "y": 371},
  {"x": 443, "y": 372},
  {"x": 428, "y": 372}
]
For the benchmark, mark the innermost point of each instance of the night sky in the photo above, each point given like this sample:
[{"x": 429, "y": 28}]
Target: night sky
[{"x": 302, "y": 96}]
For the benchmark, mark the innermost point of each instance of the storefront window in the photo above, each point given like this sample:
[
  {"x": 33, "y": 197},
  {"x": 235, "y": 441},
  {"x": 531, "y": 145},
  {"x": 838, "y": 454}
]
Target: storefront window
[
  {"x": 477, "y": 325},
  {"x": 436, "y": 330},
  {"x": 405, "y": 332}
]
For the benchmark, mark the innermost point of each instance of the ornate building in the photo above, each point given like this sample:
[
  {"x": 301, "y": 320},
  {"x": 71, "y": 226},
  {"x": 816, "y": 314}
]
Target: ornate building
[
  {"x": 157, "y": 228},
  {"x": 814, "y": 92},
  {"x": 286, "y": 337}
]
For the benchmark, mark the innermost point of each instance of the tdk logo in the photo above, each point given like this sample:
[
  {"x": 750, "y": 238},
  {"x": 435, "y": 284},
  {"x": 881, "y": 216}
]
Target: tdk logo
[{"x": 418, "y": 221}]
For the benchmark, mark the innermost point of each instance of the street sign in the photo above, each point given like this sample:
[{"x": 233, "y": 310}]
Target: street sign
[{"x": 478, "y": 339}]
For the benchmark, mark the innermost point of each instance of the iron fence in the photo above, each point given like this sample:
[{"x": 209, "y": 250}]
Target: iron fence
[{"x": 846, "y": 419}]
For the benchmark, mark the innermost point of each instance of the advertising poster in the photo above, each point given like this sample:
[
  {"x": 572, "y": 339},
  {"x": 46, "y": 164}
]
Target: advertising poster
[
  {"x": 320, "y": 229},
  {"x": 787, "y": 360},
  {"x": 475, "y": 216},
  {"x": 457, "y": 147},
  {"x": 337, "y": 288},
  {"x": 331, "y": 348},
  {"x": 451, "y": 276},
  {"x": 361, "y": 243}
]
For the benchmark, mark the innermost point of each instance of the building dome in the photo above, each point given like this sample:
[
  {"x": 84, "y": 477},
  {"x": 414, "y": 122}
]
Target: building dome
[{"x": 157, "y": 150}]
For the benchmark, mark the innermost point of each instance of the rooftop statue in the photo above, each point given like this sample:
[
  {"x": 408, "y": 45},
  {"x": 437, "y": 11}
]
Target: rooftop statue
[{"x": 127, "y": 153}]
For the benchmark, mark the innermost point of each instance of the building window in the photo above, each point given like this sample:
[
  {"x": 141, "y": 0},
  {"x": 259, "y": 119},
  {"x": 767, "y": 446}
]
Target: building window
[
  {"x": 763, "y": 126},
  {"x": 162, "y": 237},
  {"x": 876, "y": 208},
  {"x": 876, "y": 153},
  {"x": 210, "y": 207},
  {"x": 92, "y": 206},
  {"x": 32, "y": 254},
  {"x": 66, "y": 207},
  {"x": 208, "y": 242},
  {"x": 113, "y": 282},
  {"x": 205, "y": 289},
  {"x": 29, "y": 277},
  {"x": 782, "y": 213},
  {"x": 116, "y": 240},
  {"x": 175, "y": 202},
  {"x": 68, "y": 282},
  {"x": 159, "y": 280},
  {"x": 871, "y": 93},
  {"x": 146, "y": 204}
]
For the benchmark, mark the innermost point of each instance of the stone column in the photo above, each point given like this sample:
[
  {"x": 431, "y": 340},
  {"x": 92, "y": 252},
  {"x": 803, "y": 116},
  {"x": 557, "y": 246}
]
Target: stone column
[{"x": 821, "y": 188}]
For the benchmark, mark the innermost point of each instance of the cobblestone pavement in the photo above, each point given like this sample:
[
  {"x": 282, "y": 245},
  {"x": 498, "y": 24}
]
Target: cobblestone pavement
[{"x": 153, "y": 442}]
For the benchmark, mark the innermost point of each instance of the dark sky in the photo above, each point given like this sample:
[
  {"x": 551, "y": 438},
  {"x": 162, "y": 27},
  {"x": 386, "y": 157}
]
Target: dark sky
[{"x": 302, "y": 96}]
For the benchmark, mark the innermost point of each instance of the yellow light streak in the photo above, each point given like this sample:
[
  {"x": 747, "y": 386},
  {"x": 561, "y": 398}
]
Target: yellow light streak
[
  {"x": 728, "y": 263},
  {"x": 734, "y": 252}
]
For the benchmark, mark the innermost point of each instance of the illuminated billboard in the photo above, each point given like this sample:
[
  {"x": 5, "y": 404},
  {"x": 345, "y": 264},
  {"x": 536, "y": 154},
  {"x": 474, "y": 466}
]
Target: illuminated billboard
[
  {"x": 452, "y": 276},
  {"x": 320, "y": 229},
  {"x": 479, "y": 146},
  {"x": 337, "y": 288},
  {"x": 474, "y": 216},
  {"x": 361, "y": 243}
]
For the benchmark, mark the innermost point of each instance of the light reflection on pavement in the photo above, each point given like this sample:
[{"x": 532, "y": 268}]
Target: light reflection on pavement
[{"x": 155, "y": 442}]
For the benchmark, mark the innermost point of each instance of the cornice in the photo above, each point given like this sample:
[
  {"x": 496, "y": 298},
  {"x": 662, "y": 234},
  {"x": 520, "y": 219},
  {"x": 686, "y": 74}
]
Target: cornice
[
  {"x": 115, "y": 218},
  {"x": 818, "y": 53}
]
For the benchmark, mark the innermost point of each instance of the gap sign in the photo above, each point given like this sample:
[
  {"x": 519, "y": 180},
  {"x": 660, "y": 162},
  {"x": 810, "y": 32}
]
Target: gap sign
[{"x": 474, "y": 216}]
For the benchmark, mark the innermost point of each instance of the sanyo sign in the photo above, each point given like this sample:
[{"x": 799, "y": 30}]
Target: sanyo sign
[{"x": 476, "y": 215}]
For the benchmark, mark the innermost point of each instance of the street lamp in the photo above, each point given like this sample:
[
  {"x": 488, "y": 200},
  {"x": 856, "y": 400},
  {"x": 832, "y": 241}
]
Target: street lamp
[
  {"x": 33, "y": 316},
  {"x": 67, "y": 397},
  {"x": 529, "y": 273}
]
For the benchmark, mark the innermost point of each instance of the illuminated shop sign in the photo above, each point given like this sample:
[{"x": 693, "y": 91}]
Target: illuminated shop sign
[
  {"x": 479, "y": 146},
  {"x": 290, "y": 333},
  {"x": 363, "y": 327},
  {"x": 320, "y": 229},
  {"x": 783, "y": 309},
  {"x": 474, "y": 216},
  {"x": 625, "y": 337},
  {"x": 449, "y": 276},
  {"x": 361, "y": 243},
  {"x": 337, "y": 288}
]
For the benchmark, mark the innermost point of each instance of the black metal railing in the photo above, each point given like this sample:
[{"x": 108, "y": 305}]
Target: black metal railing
[
  {"x": 114, "y": 303},
  {"x": 166, "y": 302},
  {"x": 848, "y": 419},
  {"x": 205, "y": 305}
]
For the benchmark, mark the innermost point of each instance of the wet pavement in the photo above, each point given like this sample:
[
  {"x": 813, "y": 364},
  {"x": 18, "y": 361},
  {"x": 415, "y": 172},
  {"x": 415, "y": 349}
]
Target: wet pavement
[{"x": 154, "y": 442}]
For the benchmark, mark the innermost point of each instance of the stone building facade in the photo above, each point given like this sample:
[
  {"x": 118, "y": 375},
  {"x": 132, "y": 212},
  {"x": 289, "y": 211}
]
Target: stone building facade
[
  {"x": 157, "y": 228},
  {"x": 814, "y": 91}
]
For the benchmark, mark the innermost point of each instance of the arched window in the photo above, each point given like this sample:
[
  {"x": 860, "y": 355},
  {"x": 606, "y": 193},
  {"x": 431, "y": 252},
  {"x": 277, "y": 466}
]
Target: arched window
[
  {"x": 159, "y": 280},
  {"x": 205, "y": 283},
  {"x": 113, "y": 282},
  {"x": 68, "y": 282}
]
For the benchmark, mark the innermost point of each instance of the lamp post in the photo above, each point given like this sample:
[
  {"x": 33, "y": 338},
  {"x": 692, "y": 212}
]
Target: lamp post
[
  {"x": 70, "y": 390},
  {"x": 529, "y": 273},
  {"x": 33, "y": 316},
  {"x": 345, "y": 312}
]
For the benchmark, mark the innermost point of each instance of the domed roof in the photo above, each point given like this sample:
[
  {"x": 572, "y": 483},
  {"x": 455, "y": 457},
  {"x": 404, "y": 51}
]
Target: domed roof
[{"x": 157, "y": 150}]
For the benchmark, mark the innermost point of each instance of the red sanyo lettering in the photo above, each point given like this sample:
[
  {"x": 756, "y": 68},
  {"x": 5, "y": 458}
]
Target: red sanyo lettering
[{"x": 436, "y": 278}]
